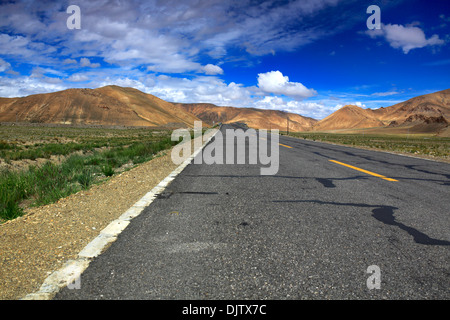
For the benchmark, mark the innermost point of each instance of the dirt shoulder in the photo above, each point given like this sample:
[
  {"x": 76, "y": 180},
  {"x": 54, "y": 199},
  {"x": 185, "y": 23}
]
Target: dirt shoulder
[{"x": 41, "y": 241}]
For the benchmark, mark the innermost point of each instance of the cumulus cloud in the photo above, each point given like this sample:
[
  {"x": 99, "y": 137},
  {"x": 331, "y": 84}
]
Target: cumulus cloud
[
  {"x": 405, "y": 37},
  {"x": 24, "y": 86},
  {"x": 212, "y": 69},
  {"x": 270, "y": 102},
  {"x": 69, "y": 61},
  {"x": 313, "y": 109},
  {"x": 78, "y": 78},
  {"x": 275, "y": 82},
  {"x": 208, "y": 89},
  {"x": 85, "y": 62}
]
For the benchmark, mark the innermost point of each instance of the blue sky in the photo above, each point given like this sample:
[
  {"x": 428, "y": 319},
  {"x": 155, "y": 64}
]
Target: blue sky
[{"x": 309, "y": 57}]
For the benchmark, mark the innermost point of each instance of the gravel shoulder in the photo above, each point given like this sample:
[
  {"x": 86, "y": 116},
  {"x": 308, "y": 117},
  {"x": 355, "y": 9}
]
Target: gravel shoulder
[{"x": 41, "y": 241}]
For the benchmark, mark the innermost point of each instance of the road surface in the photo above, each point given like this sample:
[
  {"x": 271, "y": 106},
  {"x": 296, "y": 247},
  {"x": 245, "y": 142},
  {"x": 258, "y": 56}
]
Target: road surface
[{"x": 311, "y": 231}]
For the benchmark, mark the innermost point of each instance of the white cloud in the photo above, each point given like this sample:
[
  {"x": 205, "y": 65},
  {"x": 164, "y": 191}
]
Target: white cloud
[
  {"x": 212, "y": 69},
  {"x": 172, "y": 64},
  {"x": 384, "y": 94},
  {"x": 47, "y": 74},
  {"x": 85, "y": 62},
  {"x": 166, "y": 36},
  {"x": 405, "y": 37},
  {"x": 69, "y": 61},
  {"x": 270, "y": 102},
  {"x": 313, "y": 109},
  {"x": 141, "y": 83},
  {"x": 24, "y": 86},
  {"x": 207, "y": 89},
  {"x": 21, "y": 47},
  {"x": 275, "y": 82},
  {"x": 4, "y": 65},
  {"x": 16, "y": 45},
  {"x": 78, "y": 78}
]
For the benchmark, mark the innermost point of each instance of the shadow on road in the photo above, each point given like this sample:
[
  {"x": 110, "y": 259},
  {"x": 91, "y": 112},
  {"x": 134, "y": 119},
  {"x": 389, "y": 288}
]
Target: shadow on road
[{"x": 384, "y": 214}]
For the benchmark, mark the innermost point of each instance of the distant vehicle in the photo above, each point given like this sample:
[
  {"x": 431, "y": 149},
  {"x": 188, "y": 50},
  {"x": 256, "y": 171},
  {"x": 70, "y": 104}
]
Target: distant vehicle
[{"x": 241, "y": 125}]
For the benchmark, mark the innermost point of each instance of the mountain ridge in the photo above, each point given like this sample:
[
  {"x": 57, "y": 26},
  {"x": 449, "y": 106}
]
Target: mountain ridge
[
  {"x": 421, "y": 114},
  {"x": 126, "y": 106},
  {"x": 253, "y": 117},
  {"x": 109, "y": 105}
]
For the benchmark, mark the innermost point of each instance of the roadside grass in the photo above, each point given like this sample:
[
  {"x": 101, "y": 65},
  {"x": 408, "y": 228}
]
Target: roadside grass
[
  {"x": 22, "y": 142},
  {"x": 437, "y": 147},
  {"x": 45, "y": 184}
]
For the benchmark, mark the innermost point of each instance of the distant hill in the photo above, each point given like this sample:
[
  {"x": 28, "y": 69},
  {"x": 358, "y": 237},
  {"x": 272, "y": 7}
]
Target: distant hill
[
  {"x": 114, "y": 105},
  {"x": 254, "y": 118},
  {"x": 426, "y": 109},
  {"x": 349, "y": 117},
  {"x": 110, "y": 105},
  {"x": 428, "y": 113}
]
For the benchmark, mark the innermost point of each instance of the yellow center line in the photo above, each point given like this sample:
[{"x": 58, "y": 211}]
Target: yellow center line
[
  {"x": 365, "y": 171},
  {"x": 285, "y": 145}
]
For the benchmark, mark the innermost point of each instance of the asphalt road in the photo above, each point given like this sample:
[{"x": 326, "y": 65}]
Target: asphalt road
[{"x": 311, "y": 231}]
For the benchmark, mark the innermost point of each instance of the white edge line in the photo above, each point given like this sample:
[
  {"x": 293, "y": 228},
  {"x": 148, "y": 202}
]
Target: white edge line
[{"x": 73, "y": 269}]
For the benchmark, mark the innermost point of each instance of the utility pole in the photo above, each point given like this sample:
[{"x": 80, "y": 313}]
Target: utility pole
[{"x": 287, "y": 125}]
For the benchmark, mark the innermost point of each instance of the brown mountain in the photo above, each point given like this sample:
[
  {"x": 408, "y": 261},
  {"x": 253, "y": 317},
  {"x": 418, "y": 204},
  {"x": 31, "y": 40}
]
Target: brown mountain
[
  {"x": 110, "y": 105},
  {"x": 113, "y": 105},
  {"x": 426, "y": 113},
  {"x": 418, "y": 109},
  {"x": 348, "y": 117},
  {"x": 254, "y": 118}
]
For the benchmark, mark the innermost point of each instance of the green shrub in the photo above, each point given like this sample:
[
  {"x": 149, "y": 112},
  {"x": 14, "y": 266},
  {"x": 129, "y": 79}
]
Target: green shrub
[
  {"x": 108, "y": 170},
  {"x": 85, "y": 178}
]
